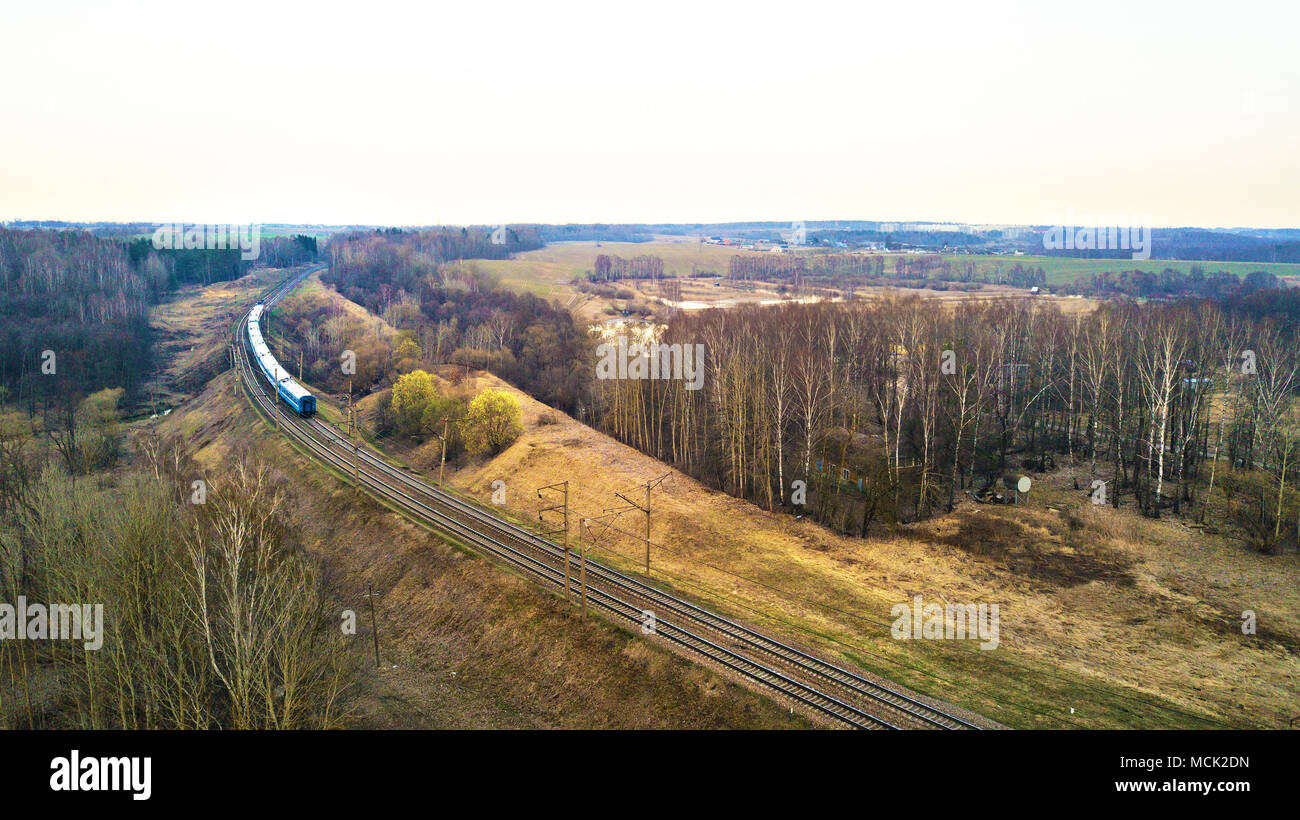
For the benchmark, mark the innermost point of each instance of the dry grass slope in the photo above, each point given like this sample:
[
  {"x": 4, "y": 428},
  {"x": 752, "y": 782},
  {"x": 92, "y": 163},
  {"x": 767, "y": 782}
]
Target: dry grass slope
[{"x": 1128, "y": 621}]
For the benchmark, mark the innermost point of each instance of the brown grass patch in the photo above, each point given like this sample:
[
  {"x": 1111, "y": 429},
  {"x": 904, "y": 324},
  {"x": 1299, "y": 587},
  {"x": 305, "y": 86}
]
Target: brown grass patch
[{"x": 1050, "y": 554}]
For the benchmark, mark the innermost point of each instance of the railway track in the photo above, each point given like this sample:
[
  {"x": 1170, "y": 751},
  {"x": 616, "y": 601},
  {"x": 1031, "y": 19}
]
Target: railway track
[{"x": 814, "y": 683}]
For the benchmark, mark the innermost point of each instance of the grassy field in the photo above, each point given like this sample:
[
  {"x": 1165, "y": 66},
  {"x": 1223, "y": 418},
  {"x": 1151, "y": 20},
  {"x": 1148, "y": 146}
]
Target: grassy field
[
  {"x": 681, "y": 257},
  {"x": 549, "y": 272}
]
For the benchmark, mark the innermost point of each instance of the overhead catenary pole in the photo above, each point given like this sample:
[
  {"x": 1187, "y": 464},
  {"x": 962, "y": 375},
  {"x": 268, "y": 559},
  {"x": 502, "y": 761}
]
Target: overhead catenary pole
[
  {"x": 352, "y": 434},
  {"x": 563, "y": 507},
  {"x": 582, "y": 559},
  {"x": 442, "y": 463},
  {"x": 645, "y": 509}
]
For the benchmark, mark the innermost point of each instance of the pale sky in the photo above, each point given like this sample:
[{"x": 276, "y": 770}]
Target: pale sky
[{"x": 405, "y": 114}]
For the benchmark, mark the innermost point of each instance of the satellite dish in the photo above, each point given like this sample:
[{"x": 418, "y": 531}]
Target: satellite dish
[{"x": 1024, "y": 484}]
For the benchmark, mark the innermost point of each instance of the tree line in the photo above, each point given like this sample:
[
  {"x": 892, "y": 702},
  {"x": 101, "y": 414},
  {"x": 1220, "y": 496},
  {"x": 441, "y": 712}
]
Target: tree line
[
  {"x": 852, "y": 270},
  {"x": 454, "y": 312},
  {"x": 607, "y": 268},
  {"x": 1171, "y": 283},
  {"x": 399, "y": 259},
  {"x": 74, "y": 308},
  {"x": 886, "y": 410}
]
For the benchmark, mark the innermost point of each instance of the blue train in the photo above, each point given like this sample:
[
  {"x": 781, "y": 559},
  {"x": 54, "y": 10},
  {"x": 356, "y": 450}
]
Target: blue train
[{"x": 286, "y": 388}]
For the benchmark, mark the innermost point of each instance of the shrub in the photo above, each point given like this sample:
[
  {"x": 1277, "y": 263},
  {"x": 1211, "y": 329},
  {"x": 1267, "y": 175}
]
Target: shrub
[
  {"x": 412, "y": 393},
  {"x": 491, "y": 423}
]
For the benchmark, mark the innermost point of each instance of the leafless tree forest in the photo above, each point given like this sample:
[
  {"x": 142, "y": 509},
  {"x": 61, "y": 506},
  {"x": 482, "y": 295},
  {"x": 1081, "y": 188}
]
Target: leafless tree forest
[{"x": 889, "y": 409}]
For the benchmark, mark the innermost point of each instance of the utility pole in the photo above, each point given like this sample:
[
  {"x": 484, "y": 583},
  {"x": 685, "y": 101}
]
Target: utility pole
[
  {"x": 356, "y": 467},
  {"x": 646, "y": 510},
  {"x": 443, "y": 463},
  {"x": 563, "y": 506},
  {"x": 299, "y": 365},
  {"x": 352, "y": 434},
  {"x": 356, "y": 452}
]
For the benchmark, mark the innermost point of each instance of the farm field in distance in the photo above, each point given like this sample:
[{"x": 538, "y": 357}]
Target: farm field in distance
[{"x": 550, "y": 272}]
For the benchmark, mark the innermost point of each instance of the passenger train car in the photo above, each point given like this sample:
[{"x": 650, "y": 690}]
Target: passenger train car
[{"x": 286, "y": 388}]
